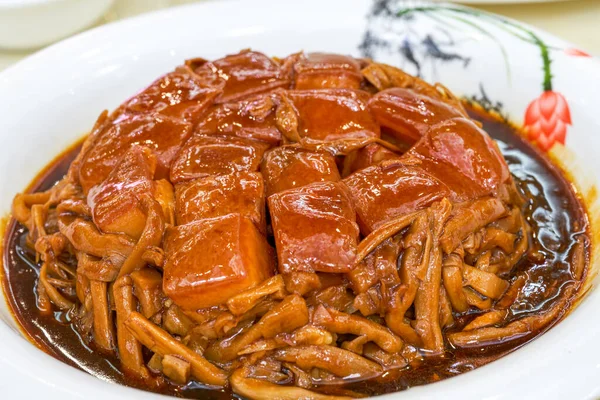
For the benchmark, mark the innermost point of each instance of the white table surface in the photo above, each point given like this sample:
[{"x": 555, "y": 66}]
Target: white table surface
[{"x": 577, "y": 21}]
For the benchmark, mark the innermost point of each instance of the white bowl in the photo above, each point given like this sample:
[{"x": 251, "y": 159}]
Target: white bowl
[
  {"x": 26, "y": 24},
  {"x": 52, "y": 98}
]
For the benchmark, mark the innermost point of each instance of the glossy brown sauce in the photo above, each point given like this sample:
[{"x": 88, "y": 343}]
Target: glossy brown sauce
[{"x": 553, "y": 210}]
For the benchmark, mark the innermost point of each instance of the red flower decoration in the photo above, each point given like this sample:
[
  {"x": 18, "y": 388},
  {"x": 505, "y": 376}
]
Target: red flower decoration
[
  {"x": 576, "y": 52},
  {"x": 546, "y": 119}
]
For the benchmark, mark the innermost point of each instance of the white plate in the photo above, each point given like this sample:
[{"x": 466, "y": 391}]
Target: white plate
[
  {"x": 28, "y": 24},
  {"x": 52, "y": 98}
]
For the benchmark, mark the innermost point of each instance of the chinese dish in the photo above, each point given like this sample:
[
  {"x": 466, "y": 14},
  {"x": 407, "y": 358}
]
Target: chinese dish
[{"x": 316, "y": 226}]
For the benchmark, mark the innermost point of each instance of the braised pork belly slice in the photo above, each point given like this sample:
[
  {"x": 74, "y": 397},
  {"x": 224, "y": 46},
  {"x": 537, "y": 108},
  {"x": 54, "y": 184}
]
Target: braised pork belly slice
[
  {"x": 215, "y": 196},
  {"x": 325, "y": 70},
  {"x": 163, "y": 135},
  {"x": 241, "y": 75},
  {"x": 115, "y": 203},
  {"x": 326, "y": 115},
  {"x": 210, "y": 155},
  {"x": 314, "y": 228},
  {"x": 391, "y": 189},
  {"x": 455, "y": 159},
  {"x": 407, "y": 114},
  {"x": 253, "y": 118},
  {"x": 178, "y": 94},
  {"x": 211, "y": 260},
  {"x": 371, "y": 154},
  {"x": 287, "y": 167},
  {"x": 464, "y": 157}
]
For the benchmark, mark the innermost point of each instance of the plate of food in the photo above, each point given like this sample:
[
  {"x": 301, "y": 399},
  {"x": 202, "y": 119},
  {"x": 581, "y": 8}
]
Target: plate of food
[{"x": 376, "y": 199}]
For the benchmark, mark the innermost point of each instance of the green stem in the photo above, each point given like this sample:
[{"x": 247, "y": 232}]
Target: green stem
[
  {"x": 535, "y": 39},
  {"x": 547, "y": 84}
]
